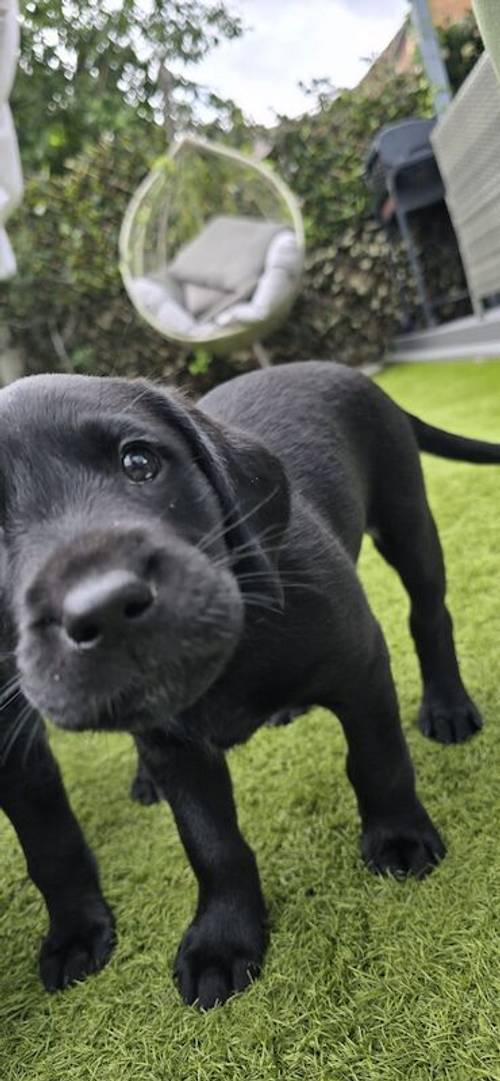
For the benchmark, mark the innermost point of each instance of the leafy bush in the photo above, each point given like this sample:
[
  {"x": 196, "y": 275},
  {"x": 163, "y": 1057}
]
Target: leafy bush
[
  {"x": 322, "y": 156},
  {"x": 350, "y": 304}
]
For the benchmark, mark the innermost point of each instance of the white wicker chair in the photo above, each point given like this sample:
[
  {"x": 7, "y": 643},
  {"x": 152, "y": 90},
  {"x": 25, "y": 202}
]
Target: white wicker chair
[{"x": 212, "y": 247}]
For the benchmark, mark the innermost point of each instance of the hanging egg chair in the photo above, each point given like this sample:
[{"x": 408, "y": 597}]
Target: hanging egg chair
[{"x": 212, "y": 247}]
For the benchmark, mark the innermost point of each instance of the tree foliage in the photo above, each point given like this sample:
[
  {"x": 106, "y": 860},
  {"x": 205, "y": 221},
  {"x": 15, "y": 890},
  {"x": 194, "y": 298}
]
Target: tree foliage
[{"x": 90, "y": 67}]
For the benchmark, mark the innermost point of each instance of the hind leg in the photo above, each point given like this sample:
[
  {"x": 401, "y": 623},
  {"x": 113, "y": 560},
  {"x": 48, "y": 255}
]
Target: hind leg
[
  {"x": 398, "y": 837},
  {"x": 285, "y": 716},
  {"x": 397, "y": 834},
  {"x": 407, "y": 537},
  {"x": 143, "y": 789}
]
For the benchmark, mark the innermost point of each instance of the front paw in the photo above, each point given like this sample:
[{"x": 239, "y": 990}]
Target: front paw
[
  {"x": 402, "y": 849},
  {"x": 220, "y": 953},
  {"x": 77, "y": 947},
  {"x": 449, "y": 722}
]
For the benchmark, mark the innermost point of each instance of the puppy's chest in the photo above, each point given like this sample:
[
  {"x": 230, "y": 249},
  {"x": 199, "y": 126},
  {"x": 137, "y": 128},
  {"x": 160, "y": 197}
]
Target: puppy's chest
[
  {"x": 223, "y": 723},
  {"x": 272, "y": 670},
  {"x": 231, "y": 712}
]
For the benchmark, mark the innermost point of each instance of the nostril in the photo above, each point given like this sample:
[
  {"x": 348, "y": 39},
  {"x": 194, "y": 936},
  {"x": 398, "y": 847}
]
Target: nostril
[
  {"x": 138, "y": 606},
  {"x": 84, "y": 634}
]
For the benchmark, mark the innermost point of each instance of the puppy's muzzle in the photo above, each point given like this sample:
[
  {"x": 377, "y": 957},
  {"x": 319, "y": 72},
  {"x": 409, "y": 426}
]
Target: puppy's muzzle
[{"x": 127, "y": 620}]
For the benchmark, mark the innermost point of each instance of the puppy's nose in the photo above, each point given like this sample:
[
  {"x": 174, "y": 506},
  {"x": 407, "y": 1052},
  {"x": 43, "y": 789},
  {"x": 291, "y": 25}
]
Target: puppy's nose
[{"x": 104, "y": 604}]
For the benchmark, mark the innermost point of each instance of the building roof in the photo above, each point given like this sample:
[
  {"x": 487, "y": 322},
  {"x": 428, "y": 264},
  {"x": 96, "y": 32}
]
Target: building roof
[{"x": 398, "y": 56}]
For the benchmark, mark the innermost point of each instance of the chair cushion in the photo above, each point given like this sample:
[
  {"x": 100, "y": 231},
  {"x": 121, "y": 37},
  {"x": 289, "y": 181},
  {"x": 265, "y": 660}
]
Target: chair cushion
[
  {"x": 226, "y": 254},
  {"x": 276, "y": 288},
  {"x": 174, "y": 305},
  {"x": 198, "y": 299},
  {"x": 163, "y": 302}
]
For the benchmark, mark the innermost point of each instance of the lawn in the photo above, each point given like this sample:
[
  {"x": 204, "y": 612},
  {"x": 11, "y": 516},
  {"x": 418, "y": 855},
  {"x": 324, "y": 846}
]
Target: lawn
[{"x": 365, "y": 979}]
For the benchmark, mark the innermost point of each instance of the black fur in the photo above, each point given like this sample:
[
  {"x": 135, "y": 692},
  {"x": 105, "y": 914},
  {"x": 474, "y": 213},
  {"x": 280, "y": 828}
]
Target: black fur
[{"x": 194, "y": 606}]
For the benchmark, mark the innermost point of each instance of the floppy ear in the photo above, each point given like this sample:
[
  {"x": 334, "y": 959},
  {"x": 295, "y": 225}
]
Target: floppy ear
[{"x": 252, "y": 489}]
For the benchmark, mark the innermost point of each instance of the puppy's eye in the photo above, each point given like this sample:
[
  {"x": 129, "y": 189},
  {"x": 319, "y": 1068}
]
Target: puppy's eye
[{"x": 140, "y": 463}]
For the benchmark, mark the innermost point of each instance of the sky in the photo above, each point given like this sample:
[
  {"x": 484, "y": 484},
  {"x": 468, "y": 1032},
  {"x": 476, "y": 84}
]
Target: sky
[{"x": 288, "y": 41}]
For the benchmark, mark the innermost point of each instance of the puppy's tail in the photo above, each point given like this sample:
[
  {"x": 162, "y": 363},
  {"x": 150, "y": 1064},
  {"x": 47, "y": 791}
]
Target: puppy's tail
[{"x": 447, "y": 445}]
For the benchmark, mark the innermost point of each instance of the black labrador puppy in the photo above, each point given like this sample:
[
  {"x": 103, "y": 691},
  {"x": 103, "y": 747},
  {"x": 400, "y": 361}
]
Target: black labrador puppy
[{"x": 187, "y": 573}]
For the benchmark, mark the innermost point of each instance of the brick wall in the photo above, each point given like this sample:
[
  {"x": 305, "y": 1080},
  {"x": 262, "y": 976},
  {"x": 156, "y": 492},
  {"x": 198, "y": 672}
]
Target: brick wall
[
  {"x": 446, "y": 11},
  {"x": 399, "y": 55}
]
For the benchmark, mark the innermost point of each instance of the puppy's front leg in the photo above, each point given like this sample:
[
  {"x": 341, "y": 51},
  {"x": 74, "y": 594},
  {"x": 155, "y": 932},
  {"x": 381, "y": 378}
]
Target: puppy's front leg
[
  {"x": 81, "y": 934},
  {"x": 224, "y": 945}
]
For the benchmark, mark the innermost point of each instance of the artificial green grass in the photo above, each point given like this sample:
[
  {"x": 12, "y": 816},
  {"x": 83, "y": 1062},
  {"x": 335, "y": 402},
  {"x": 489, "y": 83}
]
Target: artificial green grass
[{"x": 366, "y": 979}]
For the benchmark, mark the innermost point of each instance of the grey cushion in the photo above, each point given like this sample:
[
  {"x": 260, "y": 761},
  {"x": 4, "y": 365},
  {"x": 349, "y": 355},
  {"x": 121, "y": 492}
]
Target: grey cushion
[
  {"x": 198, "y": 299},
  {"x": 227, "y": 254}
]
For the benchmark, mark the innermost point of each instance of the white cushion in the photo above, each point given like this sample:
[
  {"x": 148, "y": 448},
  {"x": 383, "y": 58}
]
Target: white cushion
[
  {"x": 276, "y": 286},
  {"x": 11, "y": 178},
  {"x": 175, "y": 318}
]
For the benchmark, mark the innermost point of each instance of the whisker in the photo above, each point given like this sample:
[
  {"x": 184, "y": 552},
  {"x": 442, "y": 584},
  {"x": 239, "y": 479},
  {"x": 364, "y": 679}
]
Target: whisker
[
  {"x": 31, "y": 738},
  {"x": 263, "y": 538},
  {"x": 8, "y": 687},
  {"x": 9, "y": 699},
  {"x": 256, "y": 601},
  {"x": 6, "y": 654},
  {"x": 15, "y": 732},
  {"x": 240, "y": 552},
  {"x": 217, "y": 532},
  {"x": 289, "y": 581},
  {"x": 248, "y": 576},
  {"x": 140, "y": 394}
]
